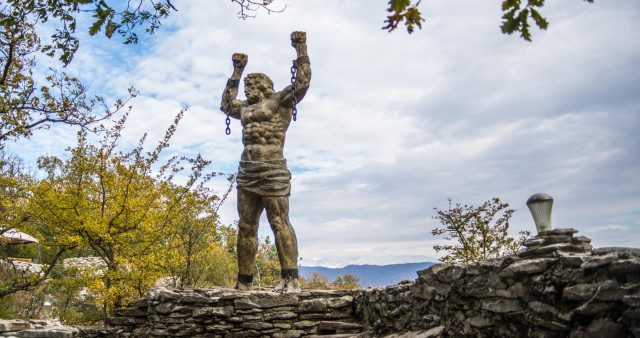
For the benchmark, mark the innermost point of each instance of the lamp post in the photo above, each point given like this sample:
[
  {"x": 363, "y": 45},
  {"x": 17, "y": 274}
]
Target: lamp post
[
  {"x": 46, "y": 310},
  {"x": 540, "y": 206}
]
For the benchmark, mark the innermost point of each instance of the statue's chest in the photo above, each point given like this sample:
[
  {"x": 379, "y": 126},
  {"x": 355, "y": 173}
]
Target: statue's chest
[{"x": 259, "y": 112}]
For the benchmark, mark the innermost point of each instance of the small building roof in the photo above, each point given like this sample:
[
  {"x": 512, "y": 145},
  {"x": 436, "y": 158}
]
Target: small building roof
[{"x": 16, "y": 237}]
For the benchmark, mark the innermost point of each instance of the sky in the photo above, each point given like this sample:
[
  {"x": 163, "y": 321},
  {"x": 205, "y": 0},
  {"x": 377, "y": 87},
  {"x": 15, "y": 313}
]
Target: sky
[{"x": 394, "y": 124}]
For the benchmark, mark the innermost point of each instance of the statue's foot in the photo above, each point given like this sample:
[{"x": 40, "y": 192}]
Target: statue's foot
[
  {"x": 290, "y": 286},
  {"x": 243, "y": 286},
  {"x": 244, "y": 282}
]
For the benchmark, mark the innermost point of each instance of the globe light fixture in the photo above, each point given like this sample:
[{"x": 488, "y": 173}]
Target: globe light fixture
[
  {"x": 46, "y": 310},
  {"x": 540, "y": 206}
]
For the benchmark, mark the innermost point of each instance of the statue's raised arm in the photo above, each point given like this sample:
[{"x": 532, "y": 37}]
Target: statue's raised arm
[
  {"x": 230, "y": 105},
  {"x": 301, "y": 72}
]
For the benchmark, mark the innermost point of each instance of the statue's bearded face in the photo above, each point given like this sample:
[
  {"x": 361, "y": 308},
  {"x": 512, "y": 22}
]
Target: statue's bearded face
[
  {"x": 252, "y": 92},
  {"x": 257, "y": 87}
]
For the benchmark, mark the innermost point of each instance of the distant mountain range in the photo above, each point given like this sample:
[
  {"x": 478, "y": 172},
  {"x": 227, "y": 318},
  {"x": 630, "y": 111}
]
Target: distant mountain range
[{"x": 371, "y": 275}]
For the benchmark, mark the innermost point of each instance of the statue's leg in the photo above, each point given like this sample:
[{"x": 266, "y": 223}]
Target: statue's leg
[
  {"x": 286, "y": 241},
  {"x": 249, "y": 209}
]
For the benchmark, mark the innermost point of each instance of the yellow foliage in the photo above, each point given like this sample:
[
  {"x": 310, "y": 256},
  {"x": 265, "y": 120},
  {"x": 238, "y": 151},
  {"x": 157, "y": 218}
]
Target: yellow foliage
[{"x": 125, "y": 208}]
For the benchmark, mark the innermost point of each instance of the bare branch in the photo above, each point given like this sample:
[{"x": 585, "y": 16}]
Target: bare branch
[{"x": 249, "y": 8}]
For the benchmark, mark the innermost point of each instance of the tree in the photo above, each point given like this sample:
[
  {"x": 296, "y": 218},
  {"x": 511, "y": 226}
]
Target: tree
[
  {"x": 122, "y": 206},
  {"x": 199, "y": 255},
  {"x": 14, "y": 197},
  {"x": 477, "y": 235},
  {"x": 27, "y": 104},
  {"x": 12, "y": 193},
  {"x": 319, "y": 281},
  {"x": 316, "y": 281},
  {"x": 346, "y": 282},
  {"x": 267, "y": 265},
  {"x": 515, "y": 16}
]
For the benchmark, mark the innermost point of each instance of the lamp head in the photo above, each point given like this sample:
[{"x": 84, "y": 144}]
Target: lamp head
[{"x": 540, "y": 205}]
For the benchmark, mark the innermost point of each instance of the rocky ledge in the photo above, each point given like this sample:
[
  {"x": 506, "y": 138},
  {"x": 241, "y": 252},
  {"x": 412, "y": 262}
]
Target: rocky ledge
[
  {"x": 36, "y": 328},
  {"x": 227, "y": 312},
  {"x": 557, "y": 287}
]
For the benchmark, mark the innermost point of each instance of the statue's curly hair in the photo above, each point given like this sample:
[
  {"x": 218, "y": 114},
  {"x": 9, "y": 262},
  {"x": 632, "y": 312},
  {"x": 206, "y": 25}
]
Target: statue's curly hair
[{"x": 264, "y": 83}]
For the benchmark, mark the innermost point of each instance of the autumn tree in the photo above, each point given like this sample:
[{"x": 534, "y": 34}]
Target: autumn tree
[
  {"x": 121, "y": 205},
  {"x": 346, "y": 282},
  {"x": 12, "y": 190},
  {"x": 267, "y": 264},
  {"x": 319, "y": 281},
  {"x": 198, "y": 255},
  {"x": 474, "y": 233},
  {"x": 316, "y": 281},
  {"x": 14, "y": 196}
]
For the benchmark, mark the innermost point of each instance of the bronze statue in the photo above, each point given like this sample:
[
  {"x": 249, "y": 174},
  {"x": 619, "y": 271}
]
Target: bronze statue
[{"x": 264, "y": 182}]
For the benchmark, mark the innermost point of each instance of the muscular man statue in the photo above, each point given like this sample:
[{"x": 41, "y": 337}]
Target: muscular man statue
[{"x": 264, "y": 182}]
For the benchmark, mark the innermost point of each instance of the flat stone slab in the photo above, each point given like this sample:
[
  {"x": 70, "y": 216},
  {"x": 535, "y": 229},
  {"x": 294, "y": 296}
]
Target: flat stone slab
[
  {"x": 335, "y": 326},
  {"x": 598, "y": 261},
  {"x": 558, "y": 232},
  {"x": 633, "y": 252},
  {"x": 265, "y": 301},
  {"x": 625, "y": 266},
  {"x": 527, "y": 266},
  {"x": 501, "y": 305}
]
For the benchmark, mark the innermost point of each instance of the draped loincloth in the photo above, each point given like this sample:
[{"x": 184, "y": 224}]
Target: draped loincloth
[{"x": 265, "y": 178}]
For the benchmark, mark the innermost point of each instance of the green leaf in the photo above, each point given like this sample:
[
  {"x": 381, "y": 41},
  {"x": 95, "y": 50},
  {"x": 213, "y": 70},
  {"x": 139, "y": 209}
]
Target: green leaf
[
  {"x": 524, "y": 25},
  {"x": 540, "y": 21},
  {"x": 413, "y": 18},
  {"x": 509, "y": 4},
  {"x": 110, "y": 28},
  {"x": 95, "y": 27},
  {"x": 509, "y": 23},
  {"x": 399, "y": 5},
  {"x": 536, "y": 3}
]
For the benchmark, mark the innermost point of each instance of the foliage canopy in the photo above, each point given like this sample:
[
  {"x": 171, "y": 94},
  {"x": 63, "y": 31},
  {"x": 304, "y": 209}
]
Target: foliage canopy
[{"x": 124, "y": 207}]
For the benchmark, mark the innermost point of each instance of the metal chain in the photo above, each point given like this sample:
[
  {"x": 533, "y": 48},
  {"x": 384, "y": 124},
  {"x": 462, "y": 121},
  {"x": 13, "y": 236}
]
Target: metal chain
[
  {"x": 227, "y": 103},
  {"x": 294, "y": 99},
  {"x": 286, "y": 284},
  {"x": 228, "y": 122},
  {"x": 285, "y": 287}
]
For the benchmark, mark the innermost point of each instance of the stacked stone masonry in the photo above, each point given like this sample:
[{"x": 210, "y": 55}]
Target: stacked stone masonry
[
  {"x": 224, "y": 312},
  {"x": 557, "y": 287}
]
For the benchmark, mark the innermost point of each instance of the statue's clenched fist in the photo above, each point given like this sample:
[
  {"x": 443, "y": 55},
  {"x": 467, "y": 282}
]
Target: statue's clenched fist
[
  {"x": 298, "y": 38},
  {"x": 239, "y": 60}
]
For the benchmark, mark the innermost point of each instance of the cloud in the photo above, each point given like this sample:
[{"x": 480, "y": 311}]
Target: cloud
[
  {"x": 394, "y": 124},
  {"x": 609, "y": 227}
]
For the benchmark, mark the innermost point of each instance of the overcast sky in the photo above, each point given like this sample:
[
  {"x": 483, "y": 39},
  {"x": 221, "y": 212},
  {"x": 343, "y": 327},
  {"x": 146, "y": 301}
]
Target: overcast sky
[{"x": 394, "y": 124}]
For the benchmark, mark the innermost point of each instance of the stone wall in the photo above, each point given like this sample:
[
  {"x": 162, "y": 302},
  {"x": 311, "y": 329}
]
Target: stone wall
[
  {"x": 227, "y": 312},
  {"x": 557, "y": 287},
  {"x": 35, "y": 328}
]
